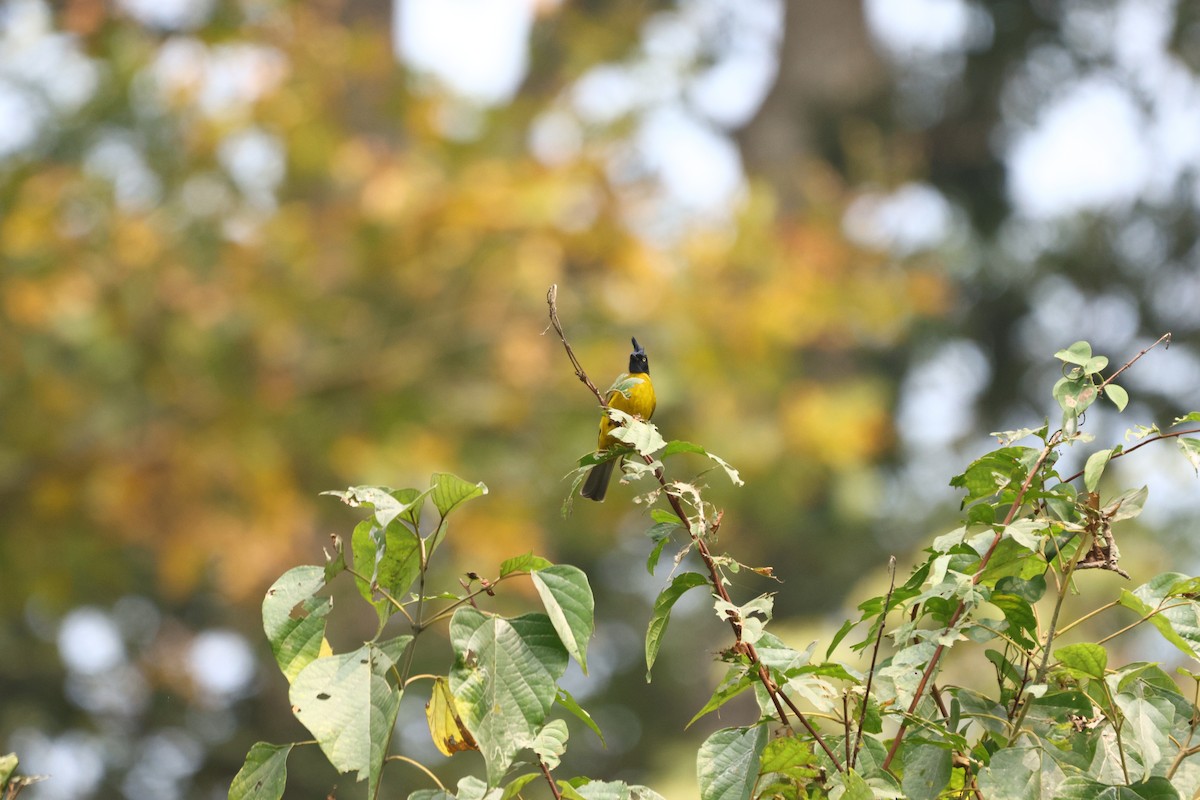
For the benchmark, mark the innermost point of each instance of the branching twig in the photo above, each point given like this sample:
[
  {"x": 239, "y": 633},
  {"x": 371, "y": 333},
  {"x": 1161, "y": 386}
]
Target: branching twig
[
  {"x": 778, "y": 698},
  {"x": 1018, "y": 501},
  {"x": 1139, "y": 446}
]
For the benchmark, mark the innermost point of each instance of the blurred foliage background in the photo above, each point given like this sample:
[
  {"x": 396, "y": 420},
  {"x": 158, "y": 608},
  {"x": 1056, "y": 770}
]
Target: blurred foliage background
[{"x": 256, "y": 249}]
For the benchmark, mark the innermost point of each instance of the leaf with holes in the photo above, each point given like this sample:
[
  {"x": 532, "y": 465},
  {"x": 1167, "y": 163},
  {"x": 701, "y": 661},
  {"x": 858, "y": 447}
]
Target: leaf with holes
[
  {"x": 349, "y": 706},
  {"x": 263, "y": 775},
  {"x": 294, "y": 618}
]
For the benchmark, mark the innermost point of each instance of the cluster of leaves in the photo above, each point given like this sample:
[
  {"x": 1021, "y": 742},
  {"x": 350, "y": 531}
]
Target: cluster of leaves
[
  {"x": 1053, "y": 719},
  {"x": 12, "y": 784},
  {"x": 497, "y": 696}
]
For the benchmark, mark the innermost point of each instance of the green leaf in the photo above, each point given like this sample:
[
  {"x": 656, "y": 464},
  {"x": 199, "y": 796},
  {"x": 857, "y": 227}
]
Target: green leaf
[
  {"x": 379, "y": 499},
  {"x": 1158, "y": 620},
  {"x": 551, "y": 742},
  {"x": 470, "y": 788},
  {"x": 1005, "y": 669},
  {"x": 926, "y": 770},
  {"x": 1118, "y": 396},
  {"x": 1085, "y": 658},
  {"x": 985, "y": 711},
  {"x": 1078, "y": 787},
  {"x": 748, "y": 615},
  {"x": 1095, "y": 364},
  {"x": 1059, "y": 706},
  {"x": 1030, "y": 590},
  {"x": 349, "y": 706},
  {"x": 587, "y": 789},
  {"x": 783, "y": 662},
  {"x": 504, "y": 680},
  {"x": 450, "y": 491},
  {"x": 1008, "y": 437},
  {"x": 1191, "y": 451},
  {"x": 736, "y": 681},
  {"x": 1075, "y": 395},
  {"x": 385, "y": 558},
  {"x": 1027, "y": 532},
  {"x": 514, "y": 787},
  {"x": 992, "y": 473},
  {"x": 735, "y": 477},
  {"x": 1021, "y": 624},
  {"x": 640, "y": 435},
  {"x": 856, "y": 787},
  {"x": 656, "y": 553},
  {"x": 1179, "y": 623},
  {"x": 663, "y": 516},
  {"x": 841, "y": 634},
  {"x": 728, "y": 762},
  {"x": 1144, "y": 733},
  {"x": 263, "y": 776},
  {"x": 294, "y": 619},
  {"x": 1010, "y": 559},
  {"x": 662, "y": 612},
  {"x": 790, "y": 756},
  {"x": 524, "y": 563},
  {"x": 1126, "y": 505},
  {"x": 1021, "y": 773},
  {"x": 1078, "y": 353},
  {"x": 394, "y": 649},
  {"x": 567, "y": 596},
  {"x": 673, "y": 447},
  {"x": 8, "y": 765},
  {"x": 1095, "y": 466},
  {"x": 564, "y": 699},
  {"x": 335, "y": 564}
]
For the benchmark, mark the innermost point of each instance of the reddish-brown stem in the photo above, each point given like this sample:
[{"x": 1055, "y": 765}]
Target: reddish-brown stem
[
  {"x": 1139, "y": 446},
  {"x": 550, "y": 780},
  {"x": 1018, "y": 501},
  {"x": 1166, "y": 337},
  {"x": 778, "y": 698}
]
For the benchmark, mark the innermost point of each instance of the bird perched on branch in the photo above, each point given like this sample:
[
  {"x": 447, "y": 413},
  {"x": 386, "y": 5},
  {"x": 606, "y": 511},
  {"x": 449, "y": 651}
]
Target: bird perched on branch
[{"x": 633, "y": 393}]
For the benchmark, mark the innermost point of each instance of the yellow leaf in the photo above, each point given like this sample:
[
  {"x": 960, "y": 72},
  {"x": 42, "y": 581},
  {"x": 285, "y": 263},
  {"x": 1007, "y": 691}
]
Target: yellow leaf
[{"x": 445, "y": 726}]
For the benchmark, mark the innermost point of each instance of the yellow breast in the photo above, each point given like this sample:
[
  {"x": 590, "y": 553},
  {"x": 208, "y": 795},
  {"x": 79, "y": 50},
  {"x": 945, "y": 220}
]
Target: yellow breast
[{"x": 631, "y": 393}]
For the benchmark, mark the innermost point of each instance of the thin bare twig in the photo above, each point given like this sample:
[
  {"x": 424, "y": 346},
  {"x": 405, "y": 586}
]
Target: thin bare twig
[
  {"x": 552, "y": 301},
  {"x": 862, "y": 717},
  {"x": 419, "y": 766},
  {"x": 846, "y": 726},
  {"x": 1166, "y": 337}
]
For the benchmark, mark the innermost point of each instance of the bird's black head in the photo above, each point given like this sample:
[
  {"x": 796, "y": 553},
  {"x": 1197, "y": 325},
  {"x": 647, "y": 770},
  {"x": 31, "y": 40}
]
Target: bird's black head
[{"x": 637, "y": 359}]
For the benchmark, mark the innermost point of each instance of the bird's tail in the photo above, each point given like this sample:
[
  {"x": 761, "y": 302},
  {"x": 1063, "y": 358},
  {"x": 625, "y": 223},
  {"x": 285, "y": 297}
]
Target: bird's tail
[{"x": 596, "y": 485}]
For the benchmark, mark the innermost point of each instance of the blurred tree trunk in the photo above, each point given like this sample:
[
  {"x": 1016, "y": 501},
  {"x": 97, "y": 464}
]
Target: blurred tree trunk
[{"x": 829, "y": 72}]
